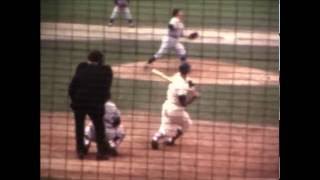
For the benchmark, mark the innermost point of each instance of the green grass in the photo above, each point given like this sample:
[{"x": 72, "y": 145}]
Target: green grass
[
  {"x": 122, "y": 51},
  {"x": 258, "y": 105},
  {"x": 241, "y": 14}
]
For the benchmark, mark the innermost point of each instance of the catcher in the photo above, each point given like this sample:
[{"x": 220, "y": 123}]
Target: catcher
[
  {"x": 121, "y": 6},
  {"x": 114, "y": 130},
  {"x": 181, "y": 93},
  {"x": 171, "y": 39}
]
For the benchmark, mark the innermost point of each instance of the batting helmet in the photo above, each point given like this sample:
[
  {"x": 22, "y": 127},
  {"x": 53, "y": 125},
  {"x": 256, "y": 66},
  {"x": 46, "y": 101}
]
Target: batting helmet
[{"x": 184, "y": 68}]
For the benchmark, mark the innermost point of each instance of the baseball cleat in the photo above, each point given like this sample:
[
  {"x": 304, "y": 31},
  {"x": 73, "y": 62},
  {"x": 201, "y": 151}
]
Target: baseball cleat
[
  {"x": 86, "y": 149},
  {"x": 110, "y": 24},
  {"x": 179, "y": 132},
  {"x": 169, "y": 142},
  {"x": 154, "y": 144},
  {"x": 131, "y": 25},
  {"x": 81, "y": 155}
]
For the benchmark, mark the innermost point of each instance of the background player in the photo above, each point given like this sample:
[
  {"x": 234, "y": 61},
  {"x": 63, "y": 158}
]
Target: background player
[
  {"x": 180, "y": 94},
  {"x": 171, "y": 39},
  {"x": 113, "y": 128},
  {"x": 121, "y": 6}
]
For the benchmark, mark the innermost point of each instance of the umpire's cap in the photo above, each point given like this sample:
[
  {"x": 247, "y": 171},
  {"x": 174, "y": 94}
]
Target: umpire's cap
[
  {"x": 184, "y": 68},
  {"x": 96, "y": 56}
]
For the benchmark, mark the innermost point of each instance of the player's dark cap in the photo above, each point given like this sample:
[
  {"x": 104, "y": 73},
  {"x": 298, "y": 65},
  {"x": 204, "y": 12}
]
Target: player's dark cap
[
  {"x": 96, "y": 56},
  {"x": 185, "y": 68},
  {"x": 175, "y": 11}
]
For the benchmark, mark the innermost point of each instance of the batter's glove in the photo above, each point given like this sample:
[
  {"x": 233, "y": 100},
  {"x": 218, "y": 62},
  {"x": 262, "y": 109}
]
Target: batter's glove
[
  {"x": 191, "y": 84},
  {"x": 193, "y": 35}
]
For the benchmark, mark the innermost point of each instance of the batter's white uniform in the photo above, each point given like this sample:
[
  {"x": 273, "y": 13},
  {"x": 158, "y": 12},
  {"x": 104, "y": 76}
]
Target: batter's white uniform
[
  {"x": 173, "y": 114},
  {"x": 114, "y": 135},
  {"x": 171, "y": 39}
]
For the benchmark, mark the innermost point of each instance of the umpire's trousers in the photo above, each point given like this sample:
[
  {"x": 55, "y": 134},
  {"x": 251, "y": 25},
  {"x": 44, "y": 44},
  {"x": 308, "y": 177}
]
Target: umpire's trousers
[{"x": 96, "y": 115}]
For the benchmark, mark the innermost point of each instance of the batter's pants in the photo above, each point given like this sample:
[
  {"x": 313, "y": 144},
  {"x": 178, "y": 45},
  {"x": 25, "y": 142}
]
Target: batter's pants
[{"x": 170, "y": 43}]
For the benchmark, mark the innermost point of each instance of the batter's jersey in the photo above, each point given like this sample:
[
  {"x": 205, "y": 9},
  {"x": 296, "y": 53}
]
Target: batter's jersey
[
  {"x": 177, "y": 87},
  {"x": 178, "y": 27}
]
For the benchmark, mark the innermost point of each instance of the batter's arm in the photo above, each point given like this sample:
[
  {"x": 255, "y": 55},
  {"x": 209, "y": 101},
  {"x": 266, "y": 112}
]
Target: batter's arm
[
  {"x": 191, "y": 100},
  {"x": 194, "y": 96}
]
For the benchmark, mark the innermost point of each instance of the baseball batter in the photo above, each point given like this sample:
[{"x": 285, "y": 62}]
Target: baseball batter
[
  {"x": 121, "y": 6},
  {"x": 180, "y": 94},
  {"x": 114, "y": 129},
  {"x": 171, "y": 39}
]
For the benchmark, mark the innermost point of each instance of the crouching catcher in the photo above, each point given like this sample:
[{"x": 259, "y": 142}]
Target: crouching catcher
[{"x": 113, "y": 128}]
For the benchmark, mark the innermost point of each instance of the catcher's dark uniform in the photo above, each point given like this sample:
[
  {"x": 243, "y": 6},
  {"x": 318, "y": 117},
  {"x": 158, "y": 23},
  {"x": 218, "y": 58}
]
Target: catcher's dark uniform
[{"x": 89, "y": 90}]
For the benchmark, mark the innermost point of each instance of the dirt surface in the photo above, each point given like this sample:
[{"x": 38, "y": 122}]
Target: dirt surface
[
  {"x": 203, "y": 72},
  {"x": 208, "y": 151}
]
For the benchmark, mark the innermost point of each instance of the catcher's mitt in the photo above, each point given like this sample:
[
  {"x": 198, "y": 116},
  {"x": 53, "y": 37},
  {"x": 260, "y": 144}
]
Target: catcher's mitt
[{"x": 193, "y": 35}]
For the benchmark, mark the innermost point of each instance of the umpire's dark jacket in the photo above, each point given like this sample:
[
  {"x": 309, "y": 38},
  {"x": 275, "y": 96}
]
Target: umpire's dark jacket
[{"x": 90, "y": 86}]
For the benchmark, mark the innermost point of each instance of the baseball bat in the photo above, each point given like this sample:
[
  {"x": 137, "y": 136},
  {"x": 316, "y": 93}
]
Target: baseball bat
[
  {"x": 165, "y": 77},
  {"x": 161, "y": 74}
]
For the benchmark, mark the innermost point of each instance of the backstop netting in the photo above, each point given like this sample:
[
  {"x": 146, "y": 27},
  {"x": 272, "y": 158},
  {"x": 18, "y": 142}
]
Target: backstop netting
[{"x": 234, "y": 64}]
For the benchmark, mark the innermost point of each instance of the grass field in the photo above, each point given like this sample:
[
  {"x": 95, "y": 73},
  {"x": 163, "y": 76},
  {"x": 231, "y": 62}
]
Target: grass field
[
  {"x": 219, "y": 102},
  {"x": 240, "y": 14},
  {"x": 235, "y": 125}
]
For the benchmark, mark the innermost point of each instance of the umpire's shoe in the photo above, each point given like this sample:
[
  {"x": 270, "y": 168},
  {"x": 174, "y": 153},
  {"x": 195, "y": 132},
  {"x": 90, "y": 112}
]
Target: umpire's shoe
[
  {"x": 154, "y": 144},
  {"x": 101, "y": 156},
  {"x": 113, "y": 152},
  {"x": 81, "y": 155}
]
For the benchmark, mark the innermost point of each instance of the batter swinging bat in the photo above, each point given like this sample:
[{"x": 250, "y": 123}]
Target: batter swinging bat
[
  {"x": 167, "y": 78},
  {"x": 161, "y": 74}
]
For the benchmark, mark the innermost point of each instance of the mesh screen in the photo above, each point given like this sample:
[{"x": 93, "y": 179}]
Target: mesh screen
[{"x": 234, "y": 62}]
